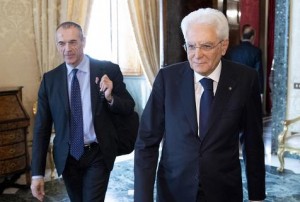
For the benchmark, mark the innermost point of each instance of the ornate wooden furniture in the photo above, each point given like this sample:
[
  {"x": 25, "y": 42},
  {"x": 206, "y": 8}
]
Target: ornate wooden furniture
[
  {"x": 288, "y": 141},
  {"x": 14, "y": 122}
]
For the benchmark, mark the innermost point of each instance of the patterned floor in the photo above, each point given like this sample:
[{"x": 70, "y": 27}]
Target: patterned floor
[
  {"x": 283, "y": 187},
  {"x": 280, "y": 187}
]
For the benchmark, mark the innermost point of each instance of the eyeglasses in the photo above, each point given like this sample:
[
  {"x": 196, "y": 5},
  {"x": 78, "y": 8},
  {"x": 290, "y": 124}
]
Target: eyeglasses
[{"x": 206, "y": 47}]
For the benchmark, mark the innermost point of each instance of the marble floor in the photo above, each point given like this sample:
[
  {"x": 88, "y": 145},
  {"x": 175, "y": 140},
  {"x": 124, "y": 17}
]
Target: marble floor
[{"x": 281, "y": 187}]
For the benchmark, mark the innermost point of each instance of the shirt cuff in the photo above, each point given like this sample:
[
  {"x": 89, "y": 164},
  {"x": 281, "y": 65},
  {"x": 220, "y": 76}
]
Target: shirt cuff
[{"x": 37, "y": 177}]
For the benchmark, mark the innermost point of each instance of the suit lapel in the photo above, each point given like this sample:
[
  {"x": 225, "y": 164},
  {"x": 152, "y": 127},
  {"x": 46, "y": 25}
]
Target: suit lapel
[
  {"x": 63, "y": 88},
  {"x": 95, "y": 71},
  {"x": 186, "y": 88},
  {"x": 225, "y": 88}
]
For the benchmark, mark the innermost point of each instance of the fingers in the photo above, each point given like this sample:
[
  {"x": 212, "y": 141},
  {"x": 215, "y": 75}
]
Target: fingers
[
  {"x": 105, "y": 83},
  {"x": 37, "y": 188},
  {"x": 106, "y": 86}
]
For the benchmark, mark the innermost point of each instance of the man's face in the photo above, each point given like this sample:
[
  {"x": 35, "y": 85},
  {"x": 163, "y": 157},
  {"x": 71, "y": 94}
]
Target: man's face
[
  {"x": 205, "y": 59},
  {"x": 70, "y": 45}
]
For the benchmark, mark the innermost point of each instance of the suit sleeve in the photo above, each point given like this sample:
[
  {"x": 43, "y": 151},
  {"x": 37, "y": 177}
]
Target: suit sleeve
[
  {"x": 150, "y": 134},
  {"x": 259, "y": 69},
  {"x": 252, "y": 143},
  {"x": 42, "y": 132},
  {"x": 123, "y": 101}
]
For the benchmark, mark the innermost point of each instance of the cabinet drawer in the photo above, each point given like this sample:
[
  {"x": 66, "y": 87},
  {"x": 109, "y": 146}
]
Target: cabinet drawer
[
  {"x": 12, "y": 165},
  {"x": 11, "y": 151},
  {"x": 12, "y": 136}
]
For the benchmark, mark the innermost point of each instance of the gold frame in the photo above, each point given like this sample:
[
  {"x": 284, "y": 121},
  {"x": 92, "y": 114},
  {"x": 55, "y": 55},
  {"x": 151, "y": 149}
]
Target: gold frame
[{"x": 282, "y": 142}]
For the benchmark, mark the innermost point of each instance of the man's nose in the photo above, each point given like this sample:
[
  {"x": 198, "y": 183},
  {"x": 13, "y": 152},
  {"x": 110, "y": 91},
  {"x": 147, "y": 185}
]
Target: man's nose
[
  {"x": 67, "y": 46},
  {"x": 198, "y": 52}
]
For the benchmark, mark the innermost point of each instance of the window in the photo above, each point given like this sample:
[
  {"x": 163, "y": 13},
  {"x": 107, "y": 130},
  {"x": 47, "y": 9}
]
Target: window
[{"x": 110, "y": 36}]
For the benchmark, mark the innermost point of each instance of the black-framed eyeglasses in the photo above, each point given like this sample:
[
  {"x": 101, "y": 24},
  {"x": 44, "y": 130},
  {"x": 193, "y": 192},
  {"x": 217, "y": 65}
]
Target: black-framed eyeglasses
[{"x": 205, "y": 46}]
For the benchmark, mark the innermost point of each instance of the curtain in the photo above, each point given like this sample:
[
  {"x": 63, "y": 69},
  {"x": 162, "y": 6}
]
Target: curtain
[
  {"x": 47, "y": 15},
  {"x": 270, "y": 54},
  {"x": 145, "y": 21}
]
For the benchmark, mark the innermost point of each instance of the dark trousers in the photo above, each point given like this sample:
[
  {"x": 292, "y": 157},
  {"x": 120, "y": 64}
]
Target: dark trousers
[
  {"x": 86, "y": 179},
  {"x": 200, "y": 195}
]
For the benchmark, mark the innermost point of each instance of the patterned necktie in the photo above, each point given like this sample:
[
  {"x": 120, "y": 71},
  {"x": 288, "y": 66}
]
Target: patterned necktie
[
  {"x": 76, "y": 136},
  {"x": 205, "y": 104}
]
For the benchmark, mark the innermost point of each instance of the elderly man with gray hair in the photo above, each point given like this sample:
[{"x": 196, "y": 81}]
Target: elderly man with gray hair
[{"x": 200, "y": 110}]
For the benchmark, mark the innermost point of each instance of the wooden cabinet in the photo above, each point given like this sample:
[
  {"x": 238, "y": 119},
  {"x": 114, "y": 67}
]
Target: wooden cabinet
[{"x": 14, "y": 122}]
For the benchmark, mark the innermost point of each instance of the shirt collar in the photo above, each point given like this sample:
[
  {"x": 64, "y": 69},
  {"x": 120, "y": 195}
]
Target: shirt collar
[
  {"x": 215, "y": 75},
  {"x": 83, "y": 66}
]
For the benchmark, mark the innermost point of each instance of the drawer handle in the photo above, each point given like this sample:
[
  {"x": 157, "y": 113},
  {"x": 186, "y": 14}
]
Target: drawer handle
[
  {"x": 12, "y": 136},
  {"x": 12, "y": 165},
  {"x": 11, "y": 150}
]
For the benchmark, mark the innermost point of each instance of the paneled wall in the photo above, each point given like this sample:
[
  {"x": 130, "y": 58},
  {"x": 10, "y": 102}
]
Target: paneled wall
[{"x": 293, "y": 104}]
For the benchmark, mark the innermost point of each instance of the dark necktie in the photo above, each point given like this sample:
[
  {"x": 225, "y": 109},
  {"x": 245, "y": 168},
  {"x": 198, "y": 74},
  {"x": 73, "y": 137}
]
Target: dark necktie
[
  {"x": 205, "y": 104},
  {"x": 76, "y": 136}
]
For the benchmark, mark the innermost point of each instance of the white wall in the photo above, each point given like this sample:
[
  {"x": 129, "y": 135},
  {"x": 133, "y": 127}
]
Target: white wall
[{"x": 293, "y": 100}]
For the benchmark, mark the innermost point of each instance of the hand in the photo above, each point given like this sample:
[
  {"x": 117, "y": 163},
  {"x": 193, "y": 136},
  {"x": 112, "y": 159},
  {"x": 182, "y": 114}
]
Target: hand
[
  {"x": 106, "y": 86},
  {"x": 37, "y": 188}
]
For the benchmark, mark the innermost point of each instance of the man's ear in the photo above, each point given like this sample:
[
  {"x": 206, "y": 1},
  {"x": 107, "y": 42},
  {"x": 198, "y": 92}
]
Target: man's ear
[
  {"x": 83, "y": 41},
  {"x": 252, "y": 39},
  {"x": 225, "y": 45}
]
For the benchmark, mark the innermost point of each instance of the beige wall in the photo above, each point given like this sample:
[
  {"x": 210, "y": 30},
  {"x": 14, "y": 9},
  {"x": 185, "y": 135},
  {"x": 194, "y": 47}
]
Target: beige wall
[{"x": 18, "y": 65}]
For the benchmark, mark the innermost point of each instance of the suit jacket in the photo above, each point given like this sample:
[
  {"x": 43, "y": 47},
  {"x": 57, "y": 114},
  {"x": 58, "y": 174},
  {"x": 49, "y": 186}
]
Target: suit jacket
[
  {"x": 186, "y": 161},
  {"x": 54, "y": 110},
  {"x": 250, "y": 55}
]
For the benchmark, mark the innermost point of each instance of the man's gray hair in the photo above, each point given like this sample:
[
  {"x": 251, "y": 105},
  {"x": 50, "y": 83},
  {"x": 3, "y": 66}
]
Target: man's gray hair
[
  {"x": 68, "y": 24},
  {"x": 207, "y": 16}
]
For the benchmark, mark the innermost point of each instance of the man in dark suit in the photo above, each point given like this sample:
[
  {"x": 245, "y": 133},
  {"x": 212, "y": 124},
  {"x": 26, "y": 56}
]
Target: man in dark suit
[
  {"x": 102, "y": 93},
  {"x": 201, "y": 166},
  {"x": 248, "y": 54}
]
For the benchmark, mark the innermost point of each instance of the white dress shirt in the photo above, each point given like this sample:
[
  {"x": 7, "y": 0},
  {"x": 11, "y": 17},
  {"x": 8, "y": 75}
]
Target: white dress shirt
[
  {"x": 215, "y": 76},
  {"x": 83, "y": 76}
]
